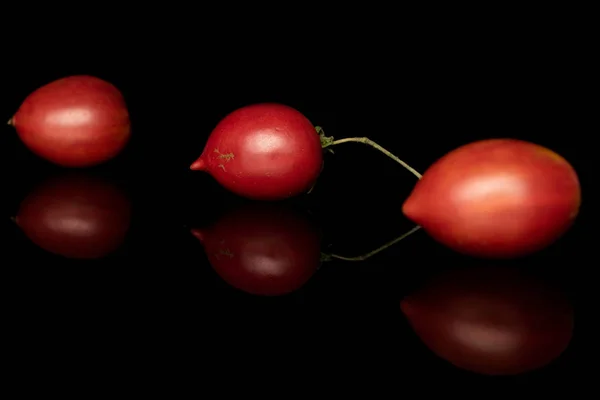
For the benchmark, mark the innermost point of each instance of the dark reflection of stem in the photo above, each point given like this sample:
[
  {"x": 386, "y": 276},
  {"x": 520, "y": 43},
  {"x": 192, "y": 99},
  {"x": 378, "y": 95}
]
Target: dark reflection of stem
[{"x": 372, "y": 253}]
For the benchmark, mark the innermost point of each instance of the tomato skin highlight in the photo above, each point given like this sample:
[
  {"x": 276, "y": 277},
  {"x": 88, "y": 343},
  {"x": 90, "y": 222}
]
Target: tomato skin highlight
[
  {"x": 76, "y": 216},
  {"x": 262, "y": 249},
  {"x": 490, "y": 320},
  {"x": 77, "y": 121},
  {"x": 497, "y": 198},
  {"x": 263, "y": 151}
]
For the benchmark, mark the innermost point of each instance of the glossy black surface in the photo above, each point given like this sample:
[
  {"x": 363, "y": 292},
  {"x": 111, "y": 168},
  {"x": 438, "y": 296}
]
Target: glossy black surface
[{"x": 157, "y": 297}]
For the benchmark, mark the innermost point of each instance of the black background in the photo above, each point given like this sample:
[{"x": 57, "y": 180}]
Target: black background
[{"x": 156, "y": 300}]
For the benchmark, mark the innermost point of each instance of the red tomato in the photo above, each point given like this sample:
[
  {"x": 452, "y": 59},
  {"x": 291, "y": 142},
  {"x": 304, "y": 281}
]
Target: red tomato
[
  {"x": 78, "y": 121},
  {"x": 263, "y": 152},
  {"x": 497, "y": 198}
]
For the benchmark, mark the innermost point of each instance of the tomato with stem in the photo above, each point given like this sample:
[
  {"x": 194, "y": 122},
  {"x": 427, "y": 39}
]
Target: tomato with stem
[{"x": 270, "y": 151}]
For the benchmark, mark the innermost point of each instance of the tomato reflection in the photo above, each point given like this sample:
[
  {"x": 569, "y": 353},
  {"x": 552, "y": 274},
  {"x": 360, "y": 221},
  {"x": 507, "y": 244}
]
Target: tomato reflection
[
  {"x": 76, "y": 216},
  {"x": 262, "y": 248},
  {"x": 493, "y": 321}
]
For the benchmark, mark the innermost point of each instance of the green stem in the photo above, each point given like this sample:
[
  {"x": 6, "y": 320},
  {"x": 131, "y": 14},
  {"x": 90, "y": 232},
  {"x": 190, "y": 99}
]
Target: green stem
[
  {"x": 327, "y": 141},
  {"x": 372, "y": 253},
  {"x": 378, "y": 147}
]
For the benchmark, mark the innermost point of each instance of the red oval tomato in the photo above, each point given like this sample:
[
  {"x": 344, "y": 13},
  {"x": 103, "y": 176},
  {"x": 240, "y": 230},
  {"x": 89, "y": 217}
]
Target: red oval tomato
[
  {"x": 498, "y": 198},
  {"x": 263, "y": 152},
  {"x": 77, "y": 121}
]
